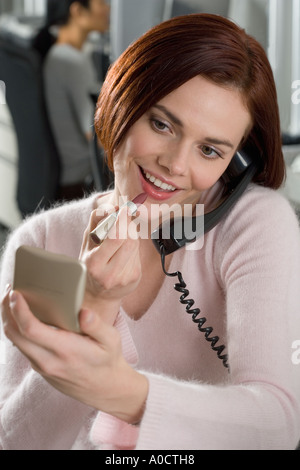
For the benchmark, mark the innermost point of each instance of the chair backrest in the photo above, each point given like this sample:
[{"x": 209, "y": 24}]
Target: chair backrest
[{"x": 38, "y": 158}]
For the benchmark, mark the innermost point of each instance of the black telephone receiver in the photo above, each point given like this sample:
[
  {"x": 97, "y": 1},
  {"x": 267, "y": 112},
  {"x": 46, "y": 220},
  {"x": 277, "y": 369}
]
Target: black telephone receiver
[{"x": 236, "y": 178}]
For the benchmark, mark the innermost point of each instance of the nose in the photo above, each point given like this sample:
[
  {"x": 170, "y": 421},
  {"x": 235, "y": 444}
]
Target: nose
[{"x": 176, "y": 159}]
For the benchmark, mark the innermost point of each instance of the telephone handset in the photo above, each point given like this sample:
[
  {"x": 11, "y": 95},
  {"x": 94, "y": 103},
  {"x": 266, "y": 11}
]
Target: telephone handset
[{"x": 236, "y": 178}]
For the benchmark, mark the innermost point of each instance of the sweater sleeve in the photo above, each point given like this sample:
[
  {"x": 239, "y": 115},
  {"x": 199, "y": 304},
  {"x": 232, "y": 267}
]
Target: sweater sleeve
[
  {"x": 33, "y": 415},
  {"x": 255, "y": 253}
]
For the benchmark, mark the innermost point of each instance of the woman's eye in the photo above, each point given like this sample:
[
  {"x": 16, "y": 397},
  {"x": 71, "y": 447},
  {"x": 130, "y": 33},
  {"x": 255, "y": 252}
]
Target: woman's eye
[
  {"x": 209, "y": 152},
  {"x": 159, "y": 125}
]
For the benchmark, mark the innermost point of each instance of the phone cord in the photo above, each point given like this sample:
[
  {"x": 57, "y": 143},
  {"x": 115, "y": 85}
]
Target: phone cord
[{"x": 181, "y": 287}]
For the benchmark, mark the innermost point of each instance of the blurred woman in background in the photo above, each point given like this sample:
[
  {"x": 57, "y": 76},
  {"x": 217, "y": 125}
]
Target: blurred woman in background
[{"x": 70, "y": 80}]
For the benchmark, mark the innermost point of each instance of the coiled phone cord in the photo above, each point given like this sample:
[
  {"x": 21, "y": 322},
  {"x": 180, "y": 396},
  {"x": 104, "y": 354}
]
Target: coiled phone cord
[{"x": 181, "y": 287}]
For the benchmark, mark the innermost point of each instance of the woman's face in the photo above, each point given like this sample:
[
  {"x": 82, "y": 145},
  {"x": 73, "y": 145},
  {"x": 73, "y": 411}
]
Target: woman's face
[
  {"x": 182, "y": 145},
  {"x": 97, "y": 16}
]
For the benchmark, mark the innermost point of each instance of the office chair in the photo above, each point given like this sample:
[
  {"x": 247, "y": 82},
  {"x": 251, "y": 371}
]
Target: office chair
[{"x": 38, "y": 158}]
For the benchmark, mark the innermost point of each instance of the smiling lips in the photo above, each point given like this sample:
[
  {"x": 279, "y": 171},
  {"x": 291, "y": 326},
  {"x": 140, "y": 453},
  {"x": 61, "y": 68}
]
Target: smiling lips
[
  {"x": 156, "y": 188},
  {"x": 159, "y": 184}
]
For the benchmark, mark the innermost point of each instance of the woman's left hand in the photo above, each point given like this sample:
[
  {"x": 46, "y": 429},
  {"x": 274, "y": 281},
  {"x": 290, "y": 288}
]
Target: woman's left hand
[{"x": 88, "y": 367}]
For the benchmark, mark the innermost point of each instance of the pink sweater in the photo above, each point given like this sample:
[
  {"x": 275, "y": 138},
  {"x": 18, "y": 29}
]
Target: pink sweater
[{"x": 245, "y": 279}]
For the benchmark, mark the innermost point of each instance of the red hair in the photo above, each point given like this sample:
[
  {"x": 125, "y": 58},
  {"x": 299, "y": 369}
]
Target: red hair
[{"x": 177, "y": 50}]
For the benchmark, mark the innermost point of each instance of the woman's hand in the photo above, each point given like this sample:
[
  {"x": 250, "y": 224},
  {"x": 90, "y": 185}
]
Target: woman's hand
[
  {"x": 88, "y": 367},
  {"x": 113, "y": 267}
]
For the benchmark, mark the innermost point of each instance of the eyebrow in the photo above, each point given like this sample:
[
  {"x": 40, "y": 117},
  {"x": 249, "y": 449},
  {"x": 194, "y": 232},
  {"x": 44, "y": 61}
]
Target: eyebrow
[
  {"x": 168, "y": 113},
  {"x": 215, "y": 141},
  {"x": 176, "y": 120}
]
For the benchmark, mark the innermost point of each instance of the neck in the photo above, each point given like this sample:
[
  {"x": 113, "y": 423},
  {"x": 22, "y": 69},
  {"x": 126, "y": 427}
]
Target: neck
[{"x": 70, "y": 34}]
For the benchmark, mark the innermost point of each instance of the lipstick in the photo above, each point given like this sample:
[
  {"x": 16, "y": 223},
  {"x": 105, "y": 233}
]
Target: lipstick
[{"x": 102, "y": 229}]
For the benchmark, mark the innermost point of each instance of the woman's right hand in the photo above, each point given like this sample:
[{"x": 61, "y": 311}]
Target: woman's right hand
[{"x": 113, "y": 267}]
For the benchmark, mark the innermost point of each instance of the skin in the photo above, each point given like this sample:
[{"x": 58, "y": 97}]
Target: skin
[{"x": 90, "y": 367}]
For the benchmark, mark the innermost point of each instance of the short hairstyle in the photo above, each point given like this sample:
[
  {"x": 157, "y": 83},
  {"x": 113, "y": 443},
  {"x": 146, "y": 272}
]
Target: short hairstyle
[
  {"x": 174, "y": 52},
  {"x": 58, "y": 11}
]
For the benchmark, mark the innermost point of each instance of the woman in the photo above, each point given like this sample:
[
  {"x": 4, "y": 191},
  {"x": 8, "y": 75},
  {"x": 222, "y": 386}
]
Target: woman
[
  {"x": 70, "y": 81},
  {"x": 174, "y": 109}
]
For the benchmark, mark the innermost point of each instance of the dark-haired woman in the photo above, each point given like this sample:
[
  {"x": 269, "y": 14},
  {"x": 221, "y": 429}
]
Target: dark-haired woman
[
  {"x": 173, "y": 111},
  {"x": 70, "y": 80}
]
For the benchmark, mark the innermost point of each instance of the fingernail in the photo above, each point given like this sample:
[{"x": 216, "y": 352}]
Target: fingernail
[
  {"x": 12, "y": 298},
  {"x": 7, "y": 289}
]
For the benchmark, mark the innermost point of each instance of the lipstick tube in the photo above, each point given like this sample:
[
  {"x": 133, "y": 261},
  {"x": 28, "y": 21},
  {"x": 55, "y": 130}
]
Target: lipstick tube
[
  {"x": 100, "y": 232},
  {"x": 102, "y": 229}
]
